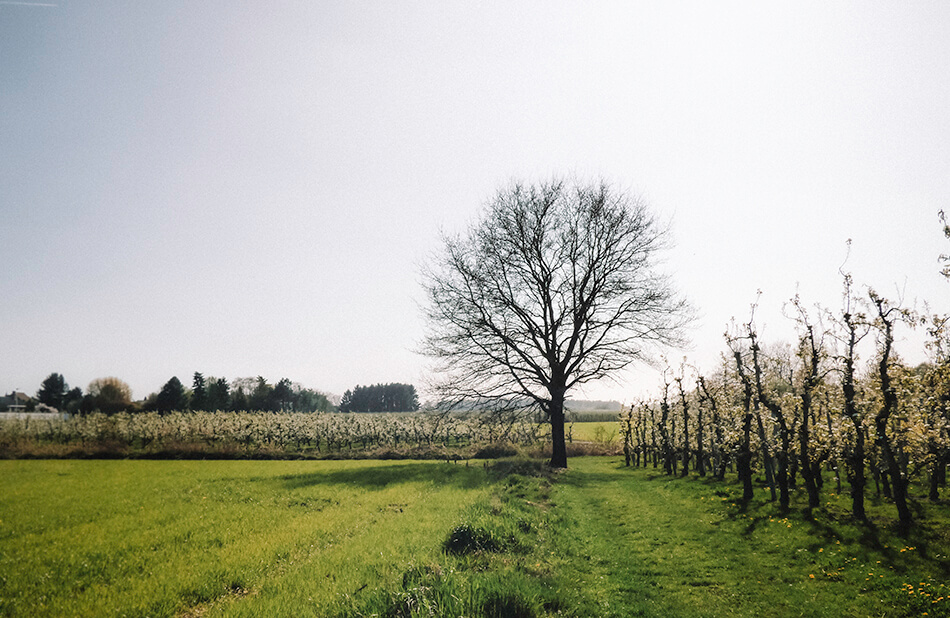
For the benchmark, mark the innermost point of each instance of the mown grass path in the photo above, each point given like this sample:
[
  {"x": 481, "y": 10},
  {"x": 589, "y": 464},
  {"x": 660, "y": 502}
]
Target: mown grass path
[{"x": 649, "y": 545}]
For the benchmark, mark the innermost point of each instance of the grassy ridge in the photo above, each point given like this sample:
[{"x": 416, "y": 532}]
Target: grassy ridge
[{"x": 364, "y": 538}]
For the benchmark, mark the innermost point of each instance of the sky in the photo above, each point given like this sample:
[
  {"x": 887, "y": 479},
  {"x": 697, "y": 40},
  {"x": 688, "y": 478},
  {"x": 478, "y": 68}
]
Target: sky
[{"x": 244, "y": 188}]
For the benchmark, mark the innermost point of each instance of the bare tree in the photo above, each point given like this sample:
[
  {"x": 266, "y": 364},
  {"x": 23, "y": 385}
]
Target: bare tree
[
  {"x": 684, "y": 404},
  {"x": 811, "y": 351},
  {"x": 554, "y": 286},
  {"x": 887, "y": 316},
  {"x": 744, "y": 452},
  {"x": 719, "y": 458},
  {"x": 778, "y": 415},
  {"x": 850, "y": 330}
]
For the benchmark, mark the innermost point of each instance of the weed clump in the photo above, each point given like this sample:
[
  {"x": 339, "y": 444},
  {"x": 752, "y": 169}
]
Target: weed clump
[
  {"x": 533, "y": 468},
  {"x": 504, "y": 604},
  {"x": 468, "y": 539}
]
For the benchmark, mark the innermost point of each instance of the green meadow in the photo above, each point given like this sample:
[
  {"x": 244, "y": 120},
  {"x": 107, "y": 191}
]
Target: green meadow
[{"x": 410, "y": 538}]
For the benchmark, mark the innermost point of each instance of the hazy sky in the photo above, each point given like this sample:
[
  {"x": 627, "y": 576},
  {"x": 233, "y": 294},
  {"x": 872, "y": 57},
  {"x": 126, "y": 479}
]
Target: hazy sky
[{"x": 248, "y": 188}]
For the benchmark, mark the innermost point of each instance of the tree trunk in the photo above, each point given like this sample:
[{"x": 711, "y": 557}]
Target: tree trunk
[
  {"x": 856, "y": 474},
  {"x": 556, "y": 413},
  {"x": 857, "y": 477},
  {"x": 938, "y": 474},
  {"x": 934, "y": 493},
  {"x": 898, "y": 482},
  {"x": 814, "y": 500},
  {"x": 810, "y": 383},
  {"x": 700, "y": 452},
  {"x": 669, "y": 464},
  {"x": 686, "y": 449},
  {"x": 719, "y": 458},
  {"x": 766, "y": 455},
  {"x": 654, "y": 449},
  {"x": 643, "y": 441},
  {"x": 779, "y": 417},
  {"x": 744, "y": 456}
]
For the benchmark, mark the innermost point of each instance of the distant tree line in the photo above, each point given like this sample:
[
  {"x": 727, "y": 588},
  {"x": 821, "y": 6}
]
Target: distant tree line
[
  {"x": 241, "y": 394},
  {"x": 111, "y": 395},
  {"x": 381, "y": 398}
]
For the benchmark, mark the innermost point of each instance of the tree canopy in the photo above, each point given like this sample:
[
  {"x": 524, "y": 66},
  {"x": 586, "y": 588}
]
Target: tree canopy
[{"x": 108, "y": 395}]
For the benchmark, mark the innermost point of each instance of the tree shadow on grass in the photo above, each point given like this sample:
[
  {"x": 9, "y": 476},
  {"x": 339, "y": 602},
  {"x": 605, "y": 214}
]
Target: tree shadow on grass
[{"x": 380, "y": 476}]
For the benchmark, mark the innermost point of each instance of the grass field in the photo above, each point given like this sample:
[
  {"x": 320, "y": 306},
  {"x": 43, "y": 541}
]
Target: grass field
[
  {"x": 601, "y": 431},
  {"x": 365, "y": 538}
]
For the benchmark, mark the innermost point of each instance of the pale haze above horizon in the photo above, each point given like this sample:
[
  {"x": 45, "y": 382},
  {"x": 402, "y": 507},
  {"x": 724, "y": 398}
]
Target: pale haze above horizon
[{"x": 244, "y": 188}]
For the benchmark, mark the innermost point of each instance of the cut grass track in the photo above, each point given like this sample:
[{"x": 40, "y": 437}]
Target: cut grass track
[
  {"x": 659, "y": 546},
  {"x": 365, "y": 538}
]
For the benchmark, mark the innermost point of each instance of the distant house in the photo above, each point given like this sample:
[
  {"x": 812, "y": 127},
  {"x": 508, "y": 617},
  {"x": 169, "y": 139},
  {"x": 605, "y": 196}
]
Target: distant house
[{"x": 14, "y": 402}]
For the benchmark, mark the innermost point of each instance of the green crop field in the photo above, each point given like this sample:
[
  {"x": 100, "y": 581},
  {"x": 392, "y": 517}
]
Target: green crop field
[{"x": 409, "y": 538}]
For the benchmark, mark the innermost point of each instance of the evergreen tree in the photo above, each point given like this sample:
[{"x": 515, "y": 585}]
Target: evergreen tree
[
  {"x": 219, "y": 394},
  {"x": 239, "y": 400},
  {"x": 53, "y": 391},
  {"x": 261, "y": 398},
  {"x": 172, "y": 396},
  {"x": 199, "y": 393}
]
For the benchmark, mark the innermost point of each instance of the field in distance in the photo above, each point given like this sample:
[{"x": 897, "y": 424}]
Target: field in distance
[{"x": 411, "y": 538}]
